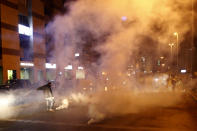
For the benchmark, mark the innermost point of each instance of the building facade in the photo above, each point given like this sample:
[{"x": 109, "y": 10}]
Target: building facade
[{"x": 22, "y": 43}]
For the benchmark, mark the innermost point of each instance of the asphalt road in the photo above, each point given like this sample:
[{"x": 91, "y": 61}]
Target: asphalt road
[{"x": 180, "y": 117}]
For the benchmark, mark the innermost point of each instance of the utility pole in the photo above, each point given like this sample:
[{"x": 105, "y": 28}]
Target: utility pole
[{"x": 192, "y": 43}]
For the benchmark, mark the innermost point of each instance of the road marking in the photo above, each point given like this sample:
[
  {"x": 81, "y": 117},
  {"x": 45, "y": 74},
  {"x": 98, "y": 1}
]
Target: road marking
[{"x": 80, "y": 125}]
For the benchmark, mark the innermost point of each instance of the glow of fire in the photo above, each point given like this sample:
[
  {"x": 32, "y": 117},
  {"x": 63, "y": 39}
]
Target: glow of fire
[
  {"x": 65, "y": 104},
  {"x": 78, "y": 97},
  {"x": 106, "y": 89},
  {"x": 104, "y": 73}
]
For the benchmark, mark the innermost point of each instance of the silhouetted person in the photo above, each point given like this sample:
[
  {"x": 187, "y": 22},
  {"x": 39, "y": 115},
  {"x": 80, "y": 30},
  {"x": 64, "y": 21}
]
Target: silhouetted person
[
  {"x": 173, "y": 82},
  {"x": 48, "y": 96}
]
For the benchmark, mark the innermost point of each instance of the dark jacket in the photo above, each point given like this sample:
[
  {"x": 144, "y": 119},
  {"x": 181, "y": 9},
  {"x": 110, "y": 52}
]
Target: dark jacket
[{"x": 47, "y": 90}]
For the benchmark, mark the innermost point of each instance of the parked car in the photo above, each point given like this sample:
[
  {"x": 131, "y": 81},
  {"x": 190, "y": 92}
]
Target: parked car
[
  {"x": 17, "y": 84},
  {"x": 3, "y": 88}
]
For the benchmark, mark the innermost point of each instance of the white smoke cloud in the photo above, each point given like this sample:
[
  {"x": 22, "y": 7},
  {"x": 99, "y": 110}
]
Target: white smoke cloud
[
  {"x": 147, "y": 29},
  {"x": 6, "y": 102},
  {"x": 16, "y": 103},
  {"x": 115, "y": 39}
]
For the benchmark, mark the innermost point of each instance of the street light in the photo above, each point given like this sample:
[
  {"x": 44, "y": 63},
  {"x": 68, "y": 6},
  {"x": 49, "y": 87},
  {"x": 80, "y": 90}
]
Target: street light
[
  {"x": 123, "y": 18},
  {"x": 192, "y": 38},
  {"x": 177, "y": 46},
  {"x": 77, "y": 54},
  {"x": 162, "y": 57},
  {"x": 171, "y": 45},
  {"x": 104, "y": 73}
]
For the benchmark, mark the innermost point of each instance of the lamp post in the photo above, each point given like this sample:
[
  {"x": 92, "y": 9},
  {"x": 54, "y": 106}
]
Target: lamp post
[
  {"x": 171, "y": 45},
  {"x": 177, "y": 48},
  {"x": 192, "y": 43}
]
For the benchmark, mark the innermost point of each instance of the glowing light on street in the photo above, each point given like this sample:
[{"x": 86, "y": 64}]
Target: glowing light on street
[
  {"x": 104, "y": 73},
  {"x": 171, "y": 45},
  {"x": 128, "y": 74},
  {"x": 183, "y": 71},
  {"x": 156, "y": 79},
  {"x": 77, "y": 54},
  {"x": 65, "y": 104},
  {"x": 175, "y": 33},
  {"x": 162, "y": 57},
  {"x": 106, "y": 89}
]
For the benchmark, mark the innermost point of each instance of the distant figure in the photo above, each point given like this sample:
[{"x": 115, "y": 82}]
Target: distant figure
[
  {"x": 173, "y": 81},
  {"x": 48, "y": 95}
]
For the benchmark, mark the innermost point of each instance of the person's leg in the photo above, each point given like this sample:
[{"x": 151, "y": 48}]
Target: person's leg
[
  {"x": 47, "y": 104},
  {"x": 51, "y": 103}
]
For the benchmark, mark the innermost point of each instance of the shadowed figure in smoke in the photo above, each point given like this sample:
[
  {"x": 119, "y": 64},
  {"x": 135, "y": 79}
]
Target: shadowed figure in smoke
[{"x": 48, "y": 96}]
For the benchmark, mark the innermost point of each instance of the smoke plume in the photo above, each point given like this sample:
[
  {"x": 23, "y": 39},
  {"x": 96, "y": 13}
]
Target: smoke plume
[{"x": 112, "y": 34}]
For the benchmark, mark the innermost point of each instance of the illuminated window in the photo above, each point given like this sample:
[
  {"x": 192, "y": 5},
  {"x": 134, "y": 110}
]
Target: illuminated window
[
  {"x": 69, "y": 67},
  {"x": 11, "y": 74},
  {"x": 24, "y": 30},
  {"x": 50, "y": 66},
  {"x": 80, "y": 74},
  {"x": 26, "y": 64},
  {"x": 80, "y": 68},
  {"x": 25, "y": 74},
  {"x": 40, "y": 75},
  {"x": 183, "y": 71},
  {"x": 77, "y": 54}
]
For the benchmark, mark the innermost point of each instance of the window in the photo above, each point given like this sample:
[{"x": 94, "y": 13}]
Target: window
[
  {"x": 11, "y": 74},
  {"x": 24, "y": 35},
  {"x": 24, "y": 30},
  {"x": 26, "y": 53},
  {"x": 23, "y": 26},
  {"x": 27, "y": 73},
  {"x": 40, "y": 75},
  {"x": 23, "y": 20}
]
